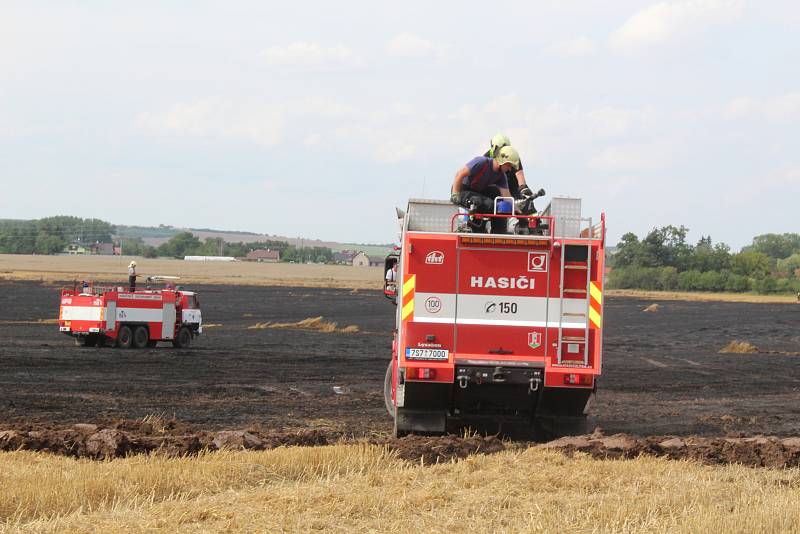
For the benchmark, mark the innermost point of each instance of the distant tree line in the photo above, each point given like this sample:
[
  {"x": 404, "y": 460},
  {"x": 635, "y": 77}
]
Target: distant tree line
[
  {"x": 187, "y": 244},
  {"x": 52, "y": 234},
  {"x": 663, "y": 260}
]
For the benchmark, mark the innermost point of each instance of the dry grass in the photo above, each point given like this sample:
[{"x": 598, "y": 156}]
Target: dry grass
[
  {"x": 738, "y": 347},
  {"x": 157, "y": 420},
  {"x": 358, "y": 488},
  {"x": 212, "y": 325},
  {"x": 652, "y": 308},
  {"x": 312, "y": 323},
  {"x": 700, "y": 297},
  {"x": 37, "y": 321},
  {"x": 50, "y": 269}
]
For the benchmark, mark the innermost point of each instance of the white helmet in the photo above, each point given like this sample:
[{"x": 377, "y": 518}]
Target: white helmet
[
  {"x": 497, "y": 142},
  {"x": 508, "y": 154}
]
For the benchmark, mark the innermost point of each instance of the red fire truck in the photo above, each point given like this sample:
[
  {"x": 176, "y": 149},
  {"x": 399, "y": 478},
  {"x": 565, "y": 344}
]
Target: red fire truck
[
  {"x": 114, "y": 316},
  {"x": 496, "y": 332}
]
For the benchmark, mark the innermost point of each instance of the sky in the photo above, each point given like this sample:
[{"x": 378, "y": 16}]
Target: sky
[{"x": 316, "y": 119}]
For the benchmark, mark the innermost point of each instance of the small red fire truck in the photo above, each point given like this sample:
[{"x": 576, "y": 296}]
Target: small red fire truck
[
  {"x": 114, "y": 316},
  {"x": 496, "y": 332}
]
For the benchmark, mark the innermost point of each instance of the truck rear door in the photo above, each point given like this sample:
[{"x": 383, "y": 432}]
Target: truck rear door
[{"x": 503, "y": 301}]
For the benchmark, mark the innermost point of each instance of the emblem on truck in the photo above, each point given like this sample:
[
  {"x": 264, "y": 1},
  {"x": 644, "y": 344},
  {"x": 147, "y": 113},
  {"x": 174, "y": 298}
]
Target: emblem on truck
[
  {"x": 435, "y": 257},
  {"x": 534, "y": 340},
  {"x": 537, "y": 262}
]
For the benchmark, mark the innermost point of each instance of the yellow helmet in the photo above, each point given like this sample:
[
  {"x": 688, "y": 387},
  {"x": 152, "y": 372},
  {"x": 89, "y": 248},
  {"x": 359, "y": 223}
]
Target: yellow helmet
[
  {"x": 497, "y": 142},
  {"x": 508, "y": 154}
]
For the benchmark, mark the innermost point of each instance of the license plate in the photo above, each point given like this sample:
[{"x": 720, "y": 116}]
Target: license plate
[{"x": 427, "y": 354}]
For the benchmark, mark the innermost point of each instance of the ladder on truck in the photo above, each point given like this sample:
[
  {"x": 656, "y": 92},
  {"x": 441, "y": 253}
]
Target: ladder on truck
[{"x": 584, "y": 265}]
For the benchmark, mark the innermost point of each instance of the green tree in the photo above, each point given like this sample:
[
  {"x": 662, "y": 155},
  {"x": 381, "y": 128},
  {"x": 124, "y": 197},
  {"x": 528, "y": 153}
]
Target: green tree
[
  {"x": 629, "y": 251},
  {"x": 753, "y": 264},
  {"x": 790, "y": 265},
  {"x": 183, "y": 244},
  {"x": 764, "y": 285},
  {"x": 776, "y": 246}
]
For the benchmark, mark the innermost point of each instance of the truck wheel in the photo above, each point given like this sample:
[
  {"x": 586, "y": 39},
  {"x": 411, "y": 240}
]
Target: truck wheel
[
  {"x": 125, "y": 337},
  {"x": 140, "y": 337},
  {"x": 183, "y": 339},
  {"x": 387, "y": 390}
]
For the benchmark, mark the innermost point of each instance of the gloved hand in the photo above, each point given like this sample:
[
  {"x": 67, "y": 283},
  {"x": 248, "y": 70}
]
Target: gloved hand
[
  {"x": 455, "y": 198},
  {"x": 526, "y": 191}
]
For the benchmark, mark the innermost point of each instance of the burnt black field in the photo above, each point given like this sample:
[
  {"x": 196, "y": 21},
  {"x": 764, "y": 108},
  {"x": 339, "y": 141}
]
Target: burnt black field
[{"x": 662, "y": 373}]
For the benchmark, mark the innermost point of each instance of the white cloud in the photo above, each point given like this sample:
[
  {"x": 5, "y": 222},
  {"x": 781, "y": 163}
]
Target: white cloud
[
  {"x": 631, "y": 157},
  {"x": 258, "y": 123},
  {"x": 782, "y": 108},
  {"x": 782, "y": 178},
  {"x": 266, "y": 122},
  {"x": 579, "y": 47},
  {"x": 671, "y": 20},
  {"x": 307, "y": 56},
  {"x": 395, "y": 150},
  {"x": 409, "y": 45}
]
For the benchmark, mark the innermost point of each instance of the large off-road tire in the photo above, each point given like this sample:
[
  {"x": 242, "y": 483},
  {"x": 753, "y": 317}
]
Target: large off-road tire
[
  {"x": 140, "y": 337},
  {"x": 125, "y": 337},
  {"x": 183, "y": 339},
  {"x": 387, "y": 391}
]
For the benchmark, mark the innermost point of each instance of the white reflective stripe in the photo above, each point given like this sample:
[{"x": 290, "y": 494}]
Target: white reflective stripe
[
  {"x": 81, "y": 313},
  {"x": 425, "y": 319},
  {"x": 500, "y": 322},
  {"x": 522, "y": 311},
  {"x": 497, "y": 322},
  {"x": 140, "y": 315},
  {"x": 488, "y": 310}
]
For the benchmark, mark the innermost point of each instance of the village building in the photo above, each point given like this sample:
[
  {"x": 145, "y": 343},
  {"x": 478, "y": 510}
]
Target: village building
[{"x": 263, "y": 255}]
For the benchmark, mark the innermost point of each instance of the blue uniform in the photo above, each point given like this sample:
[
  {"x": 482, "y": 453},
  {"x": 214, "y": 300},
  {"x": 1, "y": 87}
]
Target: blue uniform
[{"x": 482, "y": 175}]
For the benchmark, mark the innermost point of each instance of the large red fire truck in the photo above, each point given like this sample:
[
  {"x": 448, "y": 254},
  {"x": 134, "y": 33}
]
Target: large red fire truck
[
  {"x": 115, "y": 316},
  {"x": 496, "y": 332}
]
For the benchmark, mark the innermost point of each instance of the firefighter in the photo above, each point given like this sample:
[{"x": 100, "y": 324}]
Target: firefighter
[
  {"x": 132, "y": 276},
  {"x": 516, "y": 183},
  {"x": 391, "y": 273},
  {"x": 481, "y": 180}
]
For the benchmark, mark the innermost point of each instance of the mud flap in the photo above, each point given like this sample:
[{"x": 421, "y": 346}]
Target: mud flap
[
  {"x": 419, "y": 422},
  {"x": 424, "y": 409},
  {"x": 562, "y": 412}
]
